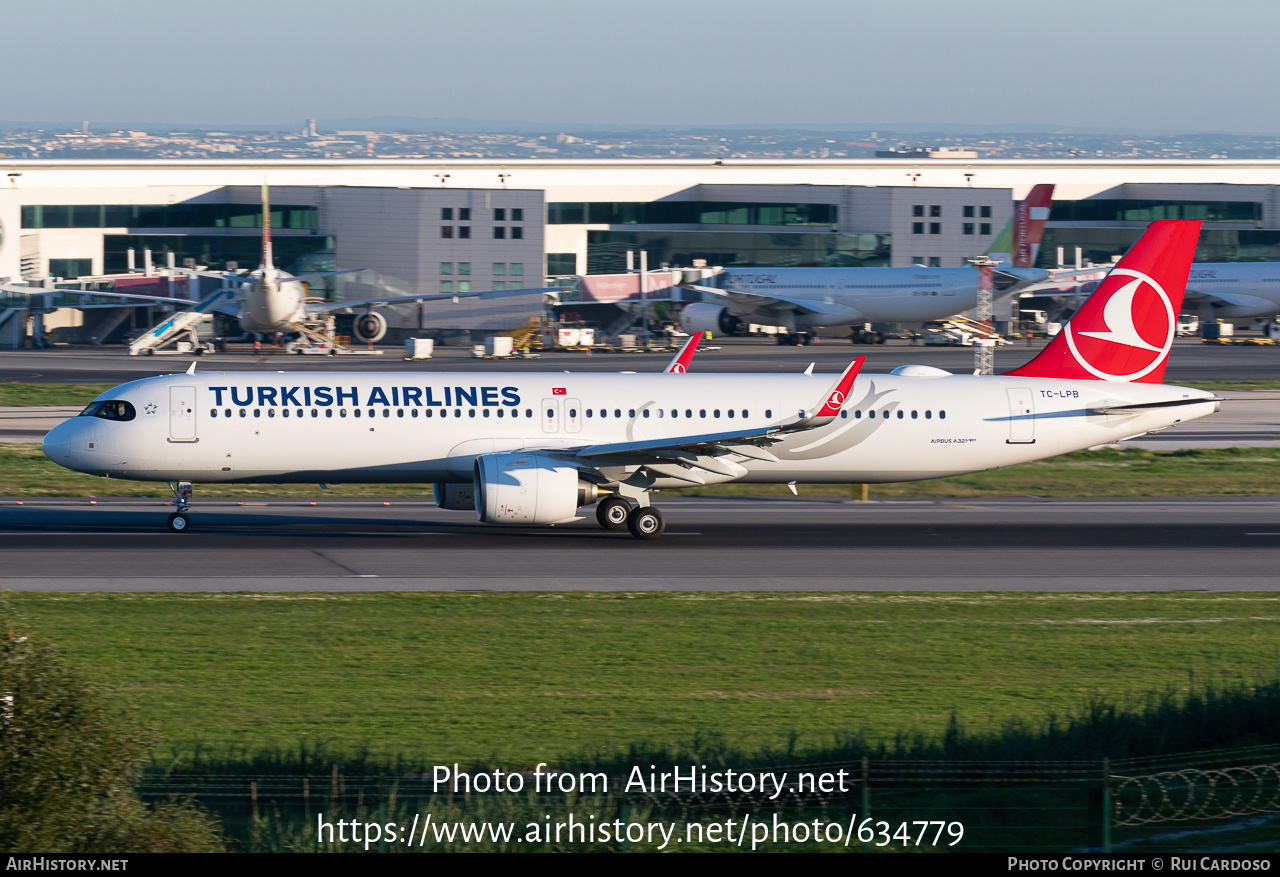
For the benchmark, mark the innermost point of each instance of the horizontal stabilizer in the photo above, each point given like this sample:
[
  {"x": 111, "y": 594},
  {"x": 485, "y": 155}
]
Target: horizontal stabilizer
[{"x": 1138, "y": 408}]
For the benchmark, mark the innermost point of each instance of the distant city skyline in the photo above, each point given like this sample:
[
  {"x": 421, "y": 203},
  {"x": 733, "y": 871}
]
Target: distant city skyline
[{"x": 1182, "y": 66}]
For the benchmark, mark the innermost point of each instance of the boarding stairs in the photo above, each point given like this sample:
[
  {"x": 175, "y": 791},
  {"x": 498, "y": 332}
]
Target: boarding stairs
[{"x": 171, "y": 330}]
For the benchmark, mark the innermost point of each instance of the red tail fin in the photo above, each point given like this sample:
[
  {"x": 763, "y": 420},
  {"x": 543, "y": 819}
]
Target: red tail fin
[
  {"x": 1029, "y": 218},
  {"x": 1123, "y": 332},
  {"x": 680, "y": 362}
]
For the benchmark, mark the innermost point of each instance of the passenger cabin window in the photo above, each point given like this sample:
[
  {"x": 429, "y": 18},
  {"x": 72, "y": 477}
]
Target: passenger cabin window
[{"x": 115, "y": 409}]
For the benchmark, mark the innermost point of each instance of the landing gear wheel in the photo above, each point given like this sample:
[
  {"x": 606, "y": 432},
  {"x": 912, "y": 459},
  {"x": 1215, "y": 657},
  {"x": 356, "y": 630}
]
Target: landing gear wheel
[
  {"x": 612, "y": 513},
  {"x": 178, "y": 522},
  {"x": 646, "y": 522}
]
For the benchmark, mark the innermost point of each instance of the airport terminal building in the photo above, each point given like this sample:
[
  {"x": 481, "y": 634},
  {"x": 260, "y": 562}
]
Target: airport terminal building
[{"x": 426, "y": 226}]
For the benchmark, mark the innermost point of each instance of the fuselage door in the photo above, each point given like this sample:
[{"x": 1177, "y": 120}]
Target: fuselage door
[
  {"x": 1022, "y": 417},
  {"x": 550, "y": 415},
  {"x": 182, "y": 414},
  {"x": 572, "y": 415}
]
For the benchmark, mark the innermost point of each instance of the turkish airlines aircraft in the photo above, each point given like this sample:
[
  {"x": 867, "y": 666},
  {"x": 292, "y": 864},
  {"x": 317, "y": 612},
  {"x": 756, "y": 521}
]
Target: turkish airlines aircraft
[
  {"x": 530, "y": 449},
  {"x": 804, "y": 298}
]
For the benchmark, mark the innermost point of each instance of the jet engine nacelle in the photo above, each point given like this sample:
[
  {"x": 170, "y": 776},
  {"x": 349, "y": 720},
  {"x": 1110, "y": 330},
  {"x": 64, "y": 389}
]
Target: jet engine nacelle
[
  {"x": 703, "y": 317},
  {"x": 521, "y": 489},
  {"x": 456, "y": 497},
  {"x": 369, "y": 327}
]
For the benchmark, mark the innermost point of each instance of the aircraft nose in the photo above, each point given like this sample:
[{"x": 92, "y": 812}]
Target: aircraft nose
[{"x": 59, "y": 441}]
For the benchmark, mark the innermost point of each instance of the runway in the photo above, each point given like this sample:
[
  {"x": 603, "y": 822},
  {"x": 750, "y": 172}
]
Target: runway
[{"x": 1018, "y": 544}]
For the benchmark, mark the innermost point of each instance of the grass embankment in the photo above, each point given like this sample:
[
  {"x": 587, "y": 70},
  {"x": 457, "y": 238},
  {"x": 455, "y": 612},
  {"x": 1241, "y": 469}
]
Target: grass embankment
[
  {"x": 26, "y": 472},
  {"x": 523, "y": 677},
  {"x": 49, "y": 394}
]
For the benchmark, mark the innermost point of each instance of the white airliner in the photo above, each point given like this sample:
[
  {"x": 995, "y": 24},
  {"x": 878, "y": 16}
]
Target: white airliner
[
  {"x": 797, "y": 299},
  {"x": 268, "y": 299},
  {"x": 1215, "y": 290},
  {"x": 531, "y": 449}
]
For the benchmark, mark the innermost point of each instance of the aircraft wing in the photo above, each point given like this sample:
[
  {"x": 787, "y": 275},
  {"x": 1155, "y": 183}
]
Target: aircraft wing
[
  {"x": 760, "y": 299},
  {"x": 677, "y": 456},
  {"x": 1236, "y": 299},
  {"x": 324, "y": 307},
  {"x": 94, "y": 293}
]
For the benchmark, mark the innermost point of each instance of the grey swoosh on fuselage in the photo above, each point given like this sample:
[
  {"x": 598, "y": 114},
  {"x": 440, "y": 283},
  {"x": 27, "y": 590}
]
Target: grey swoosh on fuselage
[{"x": 803, "y": 446}]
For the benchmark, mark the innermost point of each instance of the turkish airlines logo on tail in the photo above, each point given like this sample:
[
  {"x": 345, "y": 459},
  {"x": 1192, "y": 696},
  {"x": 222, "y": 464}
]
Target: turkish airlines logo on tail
[
  {"x": 1132, "y": 335},
  {"x": 678, "y": 368}
]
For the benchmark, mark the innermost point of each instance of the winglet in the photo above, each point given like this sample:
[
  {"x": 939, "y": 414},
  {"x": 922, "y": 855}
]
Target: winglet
[
  {"x": 192, "y": 368},
  {"x": 835, "y": 397},
  {"x": 680, "y": 362}
]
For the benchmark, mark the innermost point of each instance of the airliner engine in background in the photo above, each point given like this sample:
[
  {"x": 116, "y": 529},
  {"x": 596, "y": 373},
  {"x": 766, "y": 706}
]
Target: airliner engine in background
[
  {"x": 522, "y": 449},
  {"x": 798, "y": 299}
]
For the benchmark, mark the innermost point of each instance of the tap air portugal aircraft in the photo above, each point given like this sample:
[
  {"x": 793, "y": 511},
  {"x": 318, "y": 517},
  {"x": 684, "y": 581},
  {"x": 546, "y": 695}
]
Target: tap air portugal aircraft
[
  {"x": 523, "y": 449},
  {"x": 797, "y": 299}
]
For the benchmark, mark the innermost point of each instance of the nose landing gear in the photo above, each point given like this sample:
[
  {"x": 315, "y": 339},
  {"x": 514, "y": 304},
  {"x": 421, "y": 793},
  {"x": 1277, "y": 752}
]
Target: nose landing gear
[{"x": 178, "y": 522}]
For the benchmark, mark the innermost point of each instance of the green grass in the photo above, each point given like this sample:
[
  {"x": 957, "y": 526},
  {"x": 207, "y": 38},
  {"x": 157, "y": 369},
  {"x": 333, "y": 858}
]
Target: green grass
[
  {"x": 26, "y": 472},
  {"x": 522, "y": 677},
  {"x": 50, "y": 394}
]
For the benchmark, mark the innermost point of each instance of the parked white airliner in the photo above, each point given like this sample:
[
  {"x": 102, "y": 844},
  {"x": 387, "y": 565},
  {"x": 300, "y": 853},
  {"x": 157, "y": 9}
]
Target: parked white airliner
[
  {"x": 530, "y": 449},
  {"x": 798, "y": 299}
]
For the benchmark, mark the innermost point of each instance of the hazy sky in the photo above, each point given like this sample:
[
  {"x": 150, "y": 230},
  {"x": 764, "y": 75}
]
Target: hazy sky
[{"x": 1174, "y": 64}]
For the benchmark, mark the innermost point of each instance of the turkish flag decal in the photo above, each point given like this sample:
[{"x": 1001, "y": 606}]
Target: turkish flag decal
[{"x": 559, "y": 391}]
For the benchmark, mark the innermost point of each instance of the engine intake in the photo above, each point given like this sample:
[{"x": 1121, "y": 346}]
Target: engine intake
[{"x": 369, "y": 327}]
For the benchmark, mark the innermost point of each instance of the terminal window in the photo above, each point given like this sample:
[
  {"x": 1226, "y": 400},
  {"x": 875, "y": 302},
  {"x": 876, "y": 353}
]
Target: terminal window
[
  {"x": 558, "y": 264},
  {"x": 935, "y": 228},
  {"x": 986, "y": 212},
  {"x": 986, "y": 228},
  {"x": 464, "y": 231},
  {"x": 464, "y": 286},
  {"x": 968, "y": 227},
  {"x": 499, "y": 269},
  {"x": 446, "y": 231},
  {"x": 517, "y": 269},
  {"x": 464, "y": 267},
  {"x": 446, "y": 286},
  {"x": 446, "y": 213},
  {"x": 935, "y": 209},
  {"x": 935, "y": 261},
  {"x": 917, "y": 228},
  {"x": 499, "y": 284},
  {"x": 446, "y": 267},
  {"x": 917, "y": 210},
  {"x": 499, "y": 232},
  {"x": 517, "y": 233},
  {"x": 517, "y": 214},
  {"x": 464, "y": 214},
  {"x": 968, "y": 213},
  {"x": 499, "y": 214},
  {"x": 70, "y": 267}
]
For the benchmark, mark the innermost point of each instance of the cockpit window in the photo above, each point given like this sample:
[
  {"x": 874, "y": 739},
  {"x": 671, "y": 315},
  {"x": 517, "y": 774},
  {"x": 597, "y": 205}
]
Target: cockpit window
[{"x": 114, "y": 409}]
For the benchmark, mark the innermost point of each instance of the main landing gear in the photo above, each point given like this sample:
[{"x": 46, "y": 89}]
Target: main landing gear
[
  {"x": 644, "y": 522},
  {"x": 179, "y": 522}
]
